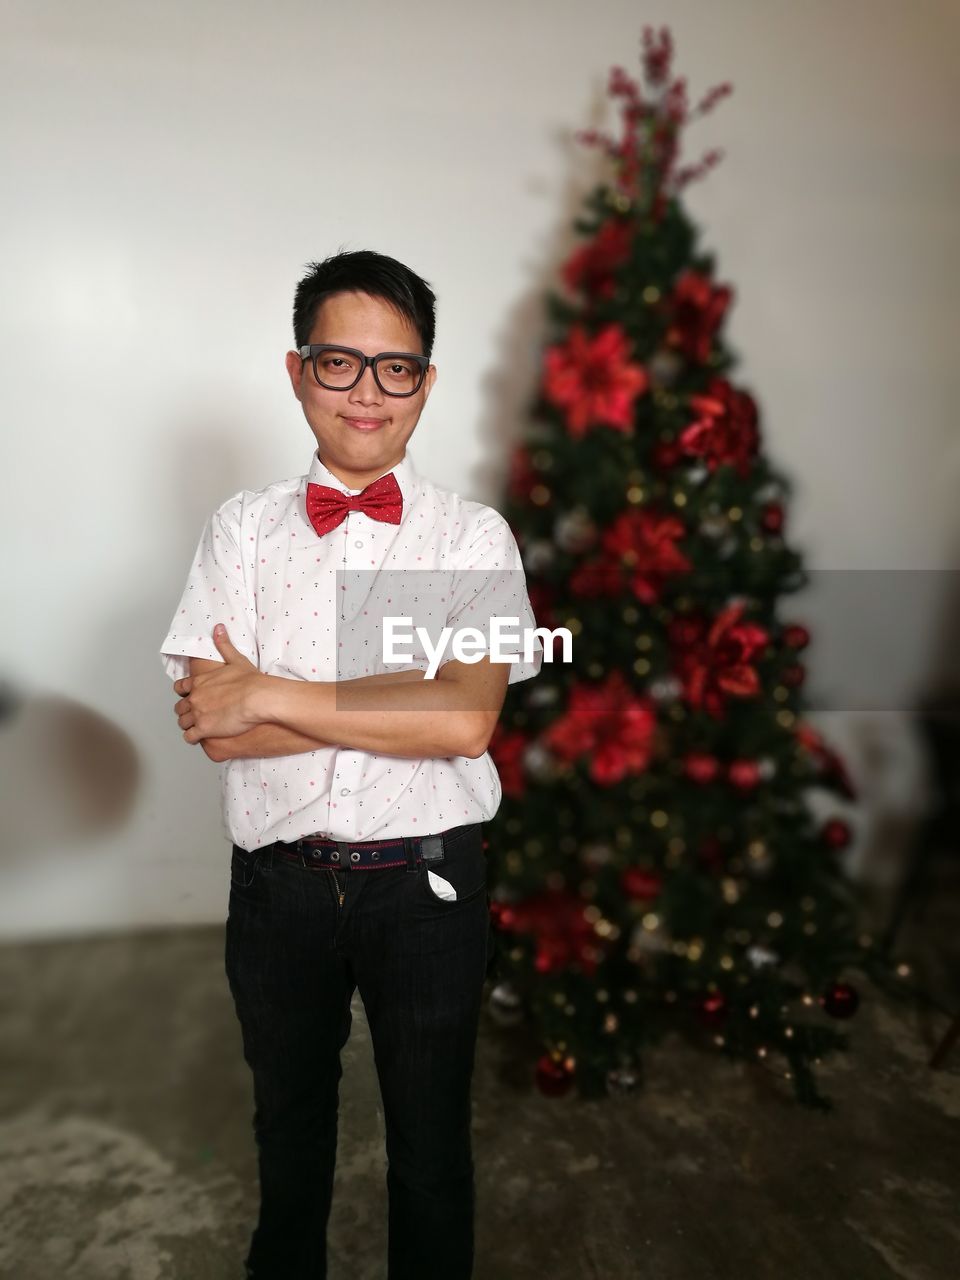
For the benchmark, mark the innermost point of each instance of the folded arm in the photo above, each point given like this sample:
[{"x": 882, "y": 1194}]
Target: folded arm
[
  {"x": 453, "y": 714},
  {"x": 270, "y": 739}
]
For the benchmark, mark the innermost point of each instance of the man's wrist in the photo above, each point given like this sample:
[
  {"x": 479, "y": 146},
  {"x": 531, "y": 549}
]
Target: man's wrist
[
  {"x": 279, "y": 700},
  {"x": 262, "y": 700}
]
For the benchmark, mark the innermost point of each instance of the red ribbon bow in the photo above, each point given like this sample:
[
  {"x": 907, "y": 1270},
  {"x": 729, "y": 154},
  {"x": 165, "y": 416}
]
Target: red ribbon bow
[{"x": 380, "y": 500}]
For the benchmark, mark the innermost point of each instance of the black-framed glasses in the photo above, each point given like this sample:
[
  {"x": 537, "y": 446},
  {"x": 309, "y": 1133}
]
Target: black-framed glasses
[{"x": 397, "y": 373}]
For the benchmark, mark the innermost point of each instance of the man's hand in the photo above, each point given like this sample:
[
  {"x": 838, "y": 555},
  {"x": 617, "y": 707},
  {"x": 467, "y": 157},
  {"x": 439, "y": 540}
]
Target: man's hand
[
  {"x": 267, "y": 741},
  {"x": 217, "y": 704}
]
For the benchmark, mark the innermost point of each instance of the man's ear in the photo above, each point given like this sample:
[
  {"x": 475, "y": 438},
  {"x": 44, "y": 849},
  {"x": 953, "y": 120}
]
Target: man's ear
[{"x": 295, "y": 370}]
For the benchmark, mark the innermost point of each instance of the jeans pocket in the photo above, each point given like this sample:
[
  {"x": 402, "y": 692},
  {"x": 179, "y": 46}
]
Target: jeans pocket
[
  {"x": 243, "y": 866},
  {"x": 464, "y": 866}
]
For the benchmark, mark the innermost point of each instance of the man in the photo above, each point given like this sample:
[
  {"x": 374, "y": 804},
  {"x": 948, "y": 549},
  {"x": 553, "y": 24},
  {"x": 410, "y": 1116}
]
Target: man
[{"x": 354, "y": 795}]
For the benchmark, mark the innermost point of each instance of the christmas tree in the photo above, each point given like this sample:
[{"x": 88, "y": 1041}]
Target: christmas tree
[{"x": 655, "y": 864}]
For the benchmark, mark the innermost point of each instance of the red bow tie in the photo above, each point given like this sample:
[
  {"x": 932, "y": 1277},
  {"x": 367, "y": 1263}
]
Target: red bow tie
[{"x": 380, "y": 500}]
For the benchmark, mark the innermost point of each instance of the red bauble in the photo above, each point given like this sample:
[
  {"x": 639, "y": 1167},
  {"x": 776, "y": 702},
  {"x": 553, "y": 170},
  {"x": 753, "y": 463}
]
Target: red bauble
[
  {"x": 553, "y": 1078},
  {"x": 683, "y": 632},
  {"x": 502, "y": 915},
  {"x": 743, "y": 774},
  {"x": 795, "y": 636},
  {"x": 794, "y": 675},
  {"x": 523, "y": 475},
  {"x": 506, "y": 749},
  {"x": 771, "y": 517},
  {"x": 840, "y": 1000},
  {"x": 711, "y": 852},
  {"x": 836, "y": 834},
  {"x": 700, "y": 766},
  {"x": 712, "y": 1009},
  {"x": 552, "y": 955},
  {"x": 665, "y": 455},
  {"x": 641, "y": 883}
]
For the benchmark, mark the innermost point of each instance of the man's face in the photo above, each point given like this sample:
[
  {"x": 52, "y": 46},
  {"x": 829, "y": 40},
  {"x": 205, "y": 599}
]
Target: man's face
[{"x": 353, "y": 455}]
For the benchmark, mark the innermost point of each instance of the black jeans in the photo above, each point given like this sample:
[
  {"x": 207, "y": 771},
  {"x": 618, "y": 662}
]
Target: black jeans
[{"x": 293, "y": 957}]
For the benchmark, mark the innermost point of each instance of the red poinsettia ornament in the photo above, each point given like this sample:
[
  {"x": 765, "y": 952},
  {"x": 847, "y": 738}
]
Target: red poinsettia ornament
[
  {"x": 715, "y": 660},
  {"x": 696, "y": 308},
  {"x": 593, "y": 380},
  {"x": 645, "y": 542},
  {"x": 591, "y": 270},
  {"x": 610, "y": 724},
  {"x": 725, "y": 430},
  {"x": 563, "y": 933}
]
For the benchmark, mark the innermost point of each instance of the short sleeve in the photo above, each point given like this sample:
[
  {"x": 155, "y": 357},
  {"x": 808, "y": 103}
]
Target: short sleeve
[
  {"x": 215, "y": 592},
  {"x": 490, "y": 582}
]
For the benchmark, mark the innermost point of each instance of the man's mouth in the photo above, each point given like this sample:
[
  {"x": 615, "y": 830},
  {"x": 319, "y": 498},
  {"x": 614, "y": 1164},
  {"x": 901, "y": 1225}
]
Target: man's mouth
[{"x": 365, "y": 424}]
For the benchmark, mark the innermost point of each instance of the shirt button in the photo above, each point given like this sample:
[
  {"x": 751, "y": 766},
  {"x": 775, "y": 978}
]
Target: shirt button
[
  {"x": 344, "y": 791},
  {"x": 358, "y": 543}
]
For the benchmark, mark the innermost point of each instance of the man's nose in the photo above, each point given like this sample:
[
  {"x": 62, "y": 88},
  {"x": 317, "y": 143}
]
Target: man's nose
[{"x": 366, "y": 389}]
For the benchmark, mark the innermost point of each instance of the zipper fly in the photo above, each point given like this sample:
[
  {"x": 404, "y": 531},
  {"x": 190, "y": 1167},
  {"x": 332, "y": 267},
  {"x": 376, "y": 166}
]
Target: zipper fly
[{"x": 336, "y": 887}]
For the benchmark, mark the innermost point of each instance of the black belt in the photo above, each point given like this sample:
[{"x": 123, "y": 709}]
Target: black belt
[{"x": 366, "y": 855}]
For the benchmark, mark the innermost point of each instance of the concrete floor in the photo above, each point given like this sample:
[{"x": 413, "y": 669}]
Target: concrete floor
[{"x": 126, "y": 1150}]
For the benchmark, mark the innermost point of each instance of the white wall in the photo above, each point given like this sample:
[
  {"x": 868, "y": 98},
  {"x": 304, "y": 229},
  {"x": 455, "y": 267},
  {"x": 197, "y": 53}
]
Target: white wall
[{"x": 163, "y": 189}]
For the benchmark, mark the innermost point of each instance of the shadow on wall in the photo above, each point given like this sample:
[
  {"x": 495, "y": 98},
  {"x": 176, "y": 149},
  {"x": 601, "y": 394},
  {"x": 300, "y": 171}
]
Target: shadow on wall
[
  {"x": 511, "y": 386},
  {"x": 69, "y": 774}
]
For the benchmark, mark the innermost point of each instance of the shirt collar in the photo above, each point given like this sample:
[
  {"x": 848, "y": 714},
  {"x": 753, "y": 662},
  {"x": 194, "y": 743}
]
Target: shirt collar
[{"x": 404, "y": 471}]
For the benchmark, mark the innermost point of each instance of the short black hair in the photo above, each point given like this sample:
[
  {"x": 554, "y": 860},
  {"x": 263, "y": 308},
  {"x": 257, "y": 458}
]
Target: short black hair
[{"x": 365, "y": 271}]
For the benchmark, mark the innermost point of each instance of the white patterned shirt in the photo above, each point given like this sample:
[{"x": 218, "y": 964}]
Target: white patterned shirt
[{"x": 262, "y": 570}]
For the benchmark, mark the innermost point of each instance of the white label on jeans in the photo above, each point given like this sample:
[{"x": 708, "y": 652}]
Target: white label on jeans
[{"x": 442, "y": 888}]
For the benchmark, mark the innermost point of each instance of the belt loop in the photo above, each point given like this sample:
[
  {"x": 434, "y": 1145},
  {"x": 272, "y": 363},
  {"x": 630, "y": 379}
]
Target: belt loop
[
  {"x": 410, "y": 851},
  {"x": 432, "y": 850}
]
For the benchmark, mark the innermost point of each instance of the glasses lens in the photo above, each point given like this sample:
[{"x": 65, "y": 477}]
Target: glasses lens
[
  {"x": 336, "y": 369},
  {"x": 399, "y": 375}
]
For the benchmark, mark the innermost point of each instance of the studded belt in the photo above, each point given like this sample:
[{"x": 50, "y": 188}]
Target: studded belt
[{"x": 364, "y": 855}]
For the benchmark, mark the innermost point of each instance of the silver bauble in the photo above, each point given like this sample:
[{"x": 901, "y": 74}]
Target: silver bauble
[
  {"x": 760, "y": 957},
  {"x": 766, "y": 768},
  {"x": 714, "y": 525},
  {"x": 538, "y": 555},
  {"x": 506, "y": 1007},
  {"x": 574, "y": 531},
  {"x": 539, "y": 763},
  {"x": 595, "y": 855},
  {"x": 542, "y": 694},
  {"x": 651, "y": 940},
  {"x": 622, "y": 1081},
  {"x": 664, "y": 688},
  {"x": 727, "y": 547},
  {"x": 664, "y": 367}
]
